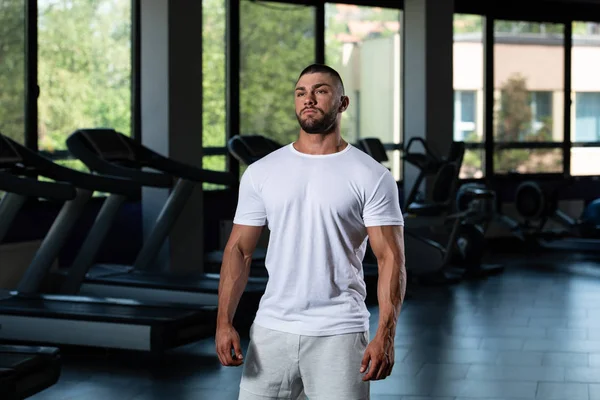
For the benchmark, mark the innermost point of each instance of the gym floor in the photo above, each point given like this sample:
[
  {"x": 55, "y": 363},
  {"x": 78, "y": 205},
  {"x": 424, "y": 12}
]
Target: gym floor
[{"x": 530, "y": 333}]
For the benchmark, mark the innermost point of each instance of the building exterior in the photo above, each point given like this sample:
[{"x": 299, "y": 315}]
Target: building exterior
[{"x": 528, "y": 91}]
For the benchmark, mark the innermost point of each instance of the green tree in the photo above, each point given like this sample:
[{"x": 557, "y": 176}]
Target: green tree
[
  {"x": 277, "y": 42},
  {"x": 514, "y": 117},
  {"x": 12, "y": 69},
  {"x": 84, "y": 68},
  {"x": 514, "y": 123},
  {"x": 213, "y": 81}
]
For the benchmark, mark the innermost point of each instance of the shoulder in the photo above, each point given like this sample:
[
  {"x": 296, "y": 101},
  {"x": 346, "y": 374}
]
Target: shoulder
[
  {"x": 366, "y": 165},
  {"x": 268, "y": 162}
]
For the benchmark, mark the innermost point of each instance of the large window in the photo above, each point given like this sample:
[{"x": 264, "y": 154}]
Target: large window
[
  {"x": 277, "y": 42},
  {"x": 84, "y": 68},
  {"x": 468, "y": 91},
  {"x": 585, "y": 98},
  {"x": 363, "y": 45},
  {"x": 529, "y": 93},
  {"x": 12, "y": 69},
  {"x": 213, "y": 82}
]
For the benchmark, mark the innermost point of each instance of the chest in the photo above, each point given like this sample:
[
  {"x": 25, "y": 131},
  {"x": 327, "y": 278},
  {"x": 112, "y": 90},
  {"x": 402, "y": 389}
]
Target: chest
[{"x": 323, "y": 192}]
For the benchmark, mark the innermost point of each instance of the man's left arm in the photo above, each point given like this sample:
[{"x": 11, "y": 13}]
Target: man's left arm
[{"x": 387, "y": 243}]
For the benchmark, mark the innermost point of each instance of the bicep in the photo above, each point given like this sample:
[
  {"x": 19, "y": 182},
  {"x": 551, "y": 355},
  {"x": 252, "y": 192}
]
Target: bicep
[
  {"x": 387, "y": 241},
  {"x": 245, "y": 238}
]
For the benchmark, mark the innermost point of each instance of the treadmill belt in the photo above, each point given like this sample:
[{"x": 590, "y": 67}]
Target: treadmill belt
[
  {"x": 98, "y": 311},
  {"x": 171, "y": 282}
]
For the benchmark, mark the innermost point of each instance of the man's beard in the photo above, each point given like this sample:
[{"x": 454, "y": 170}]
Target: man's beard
[{"x": 316, "y": 125}]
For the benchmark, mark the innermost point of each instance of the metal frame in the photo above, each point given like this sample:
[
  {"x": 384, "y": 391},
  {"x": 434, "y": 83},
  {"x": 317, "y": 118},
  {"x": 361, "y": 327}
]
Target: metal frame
[
  {"x": 232, "y": 76},
  {"x": 31, "y": 68}
]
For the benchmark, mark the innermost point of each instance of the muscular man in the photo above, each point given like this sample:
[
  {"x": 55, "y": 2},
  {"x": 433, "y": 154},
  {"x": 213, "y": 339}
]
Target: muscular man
[{"x": 321, "y": 198}]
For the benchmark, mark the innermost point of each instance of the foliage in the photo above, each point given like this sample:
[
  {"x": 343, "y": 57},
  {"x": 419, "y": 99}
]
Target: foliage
[
  {"x": 514, "y": 117},
  {"x": 467, "y": 23},
  {"x": 84, "y": 68},
  {"x": 514, "y": 123},
  {"x": 277, "y": 42},
  {"x": 12, "y": 72}
]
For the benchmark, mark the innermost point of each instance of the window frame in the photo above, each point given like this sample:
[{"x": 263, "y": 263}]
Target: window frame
[{"x": 491, "y": 11}]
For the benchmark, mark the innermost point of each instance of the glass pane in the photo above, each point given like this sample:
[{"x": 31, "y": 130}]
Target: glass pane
[
  {"x": 84, "y": 68},
  {"x": 277, "y": 42},
  {"x": 584, "y": 161},
  {"x": 364, "y": 45},
  {"x": 528, "y": 161},
  {"x": 473, "y": 165},
  {"x": 529, "y": 81},
  {"x": 585, "y": 83},
  {"x": 215, "y": 163},
  {"x": 73, "y": 164},
  {"x": 394, "y": 163},
  {"x": 12, "y": 69},
  {"x": 468, "y": 78},
  {"x": 213, "y": 73},
  {"x": 76, "y": 165}
]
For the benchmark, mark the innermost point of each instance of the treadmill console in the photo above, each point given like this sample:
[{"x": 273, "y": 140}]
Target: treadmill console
[{"x": 109, "y": 144}]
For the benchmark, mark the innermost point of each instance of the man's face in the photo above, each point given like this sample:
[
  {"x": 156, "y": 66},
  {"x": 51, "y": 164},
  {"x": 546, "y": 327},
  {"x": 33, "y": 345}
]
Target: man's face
[{"x": 318, "y": 102}]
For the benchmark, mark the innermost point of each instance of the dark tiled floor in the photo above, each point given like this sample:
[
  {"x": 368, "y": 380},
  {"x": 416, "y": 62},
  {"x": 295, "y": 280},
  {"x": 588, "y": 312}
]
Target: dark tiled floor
[{"x": 531, "y": 333}]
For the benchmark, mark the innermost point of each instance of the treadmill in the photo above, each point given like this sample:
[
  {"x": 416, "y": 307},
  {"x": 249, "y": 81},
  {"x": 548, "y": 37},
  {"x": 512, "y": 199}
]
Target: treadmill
[
  {"x": 28, "y": 316},
  {"x": 107, "y": 151},
  {"x": 27, "y": 370}
]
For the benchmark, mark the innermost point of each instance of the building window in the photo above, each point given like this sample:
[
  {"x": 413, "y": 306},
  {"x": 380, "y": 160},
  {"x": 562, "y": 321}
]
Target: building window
[
  {"x": 541, "y": 113},
  {"x": 587, "y": 117},
  {"x": 465, "y": 115}
]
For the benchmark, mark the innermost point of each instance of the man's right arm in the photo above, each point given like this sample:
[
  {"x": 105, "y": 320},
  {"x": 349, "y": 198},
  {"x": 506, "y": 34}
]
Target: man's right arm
[
  {"x": 234, "y": 277},
  {"x": 235, "y": 270}
]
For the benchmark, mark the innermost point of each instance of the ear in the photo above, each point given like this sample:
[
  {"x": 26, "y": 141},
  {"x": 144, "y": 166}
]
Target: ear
[{"x": 344, "y": 103}]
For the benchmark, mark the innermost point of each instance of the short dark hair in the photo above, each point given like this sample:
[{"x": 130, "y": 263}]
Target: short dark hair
[{"x": 325, "y": 69}]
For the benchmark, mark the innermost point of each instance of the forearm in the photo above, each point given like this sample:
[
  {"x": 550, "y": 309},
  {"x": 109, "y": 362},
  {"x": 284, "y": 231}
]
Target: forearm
[
  {"x": 391, "y": 288},
  {"x": 234, "y": 277}
]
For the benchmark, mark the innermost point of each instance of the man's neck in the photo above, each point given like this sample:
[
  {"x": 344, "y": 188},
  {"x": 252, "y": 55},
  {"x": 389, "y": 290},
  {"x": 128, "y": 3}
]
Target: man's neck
[{"x": 320, "y": 144}]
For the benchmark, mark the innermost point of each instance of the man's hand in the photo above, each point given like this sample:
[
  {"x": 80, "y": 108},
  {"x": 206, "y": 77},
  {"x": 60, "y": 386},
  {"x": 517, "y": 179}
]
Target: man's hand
[
  {"x": 378, "y": 358},
  {"x": 227, "y": 339}
]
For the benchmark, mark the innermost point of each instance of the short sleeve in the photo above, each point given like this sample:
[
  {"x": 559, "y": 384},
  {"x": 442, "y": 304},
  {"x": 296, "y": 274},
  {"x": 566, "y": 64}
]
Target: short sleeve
[
  {"x": 383, "y": 206},
  {"x": 250, "y": 208}
]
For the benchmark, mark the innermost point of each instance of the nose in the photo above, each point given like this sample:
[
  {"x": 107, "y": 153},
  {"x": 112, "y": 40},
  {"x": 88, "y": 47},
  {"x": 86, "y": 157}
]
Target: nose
[{"x": 310, "y": 99}]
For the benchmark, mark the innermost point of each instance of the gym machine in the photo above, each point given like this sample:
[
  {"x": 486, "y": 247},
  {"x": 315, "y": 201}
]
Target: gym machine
[
  {"x": 26, "y": 370},
  {"x": 537, "y": 205},
  {"x": 458, "y": 217},
  {"x": 26, "y": 315},
  {"x": 106, "y": 151},
  {"x": 248, "y": 149}
]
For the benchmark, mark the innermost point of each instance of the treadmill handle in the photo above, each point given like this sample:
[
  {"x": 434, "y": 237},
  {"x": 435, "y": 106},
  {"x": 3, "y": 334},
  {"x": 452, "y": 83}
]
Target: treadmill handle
[
  {"x": 425, "y": 147},
  {"x": 34, "y": 188},
  {"x": 83, "y": 180},
  {"x": 98, "y": 164},
  {"x": 188, "y": 172}
]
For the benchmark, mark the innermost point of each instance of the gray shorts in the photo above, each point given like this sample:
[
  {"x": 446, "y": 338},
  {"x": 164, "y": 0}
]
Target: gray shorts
[{"x": 281, "y": 365}]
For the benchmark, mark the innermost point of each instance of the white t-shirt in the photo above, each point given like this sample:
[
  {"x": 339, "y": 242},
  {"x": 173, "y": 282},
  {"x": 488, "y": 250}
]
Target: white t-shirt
[{"x": 317, "y": 208}]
